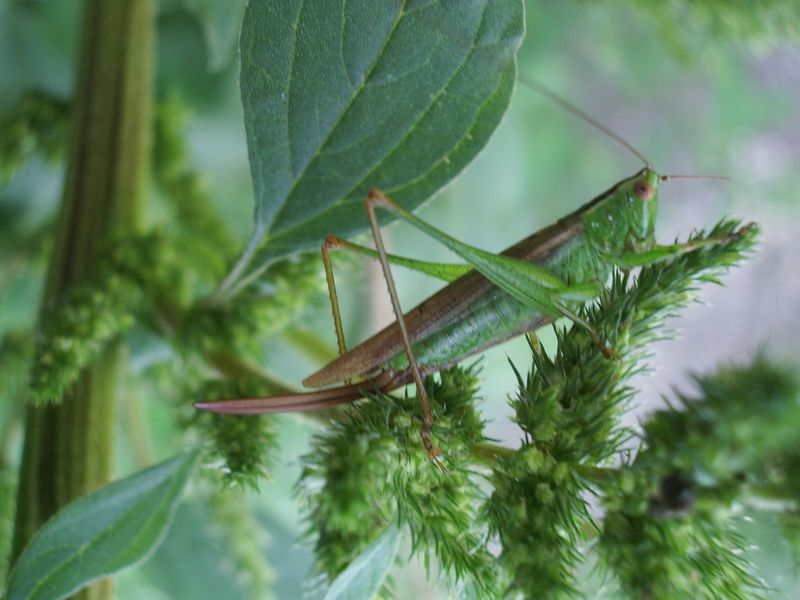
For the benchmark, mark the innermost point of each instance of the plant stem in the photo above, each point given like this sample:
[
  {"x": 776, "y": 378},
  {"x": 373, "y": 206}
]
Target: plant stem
[
  {"x": 596, "y": 474},
  {"x": 310, "y": 345},
  {"x": 487, "y": 453},
  {"x": 234, "y": 366},
  {"x": 68, "y": 447}
]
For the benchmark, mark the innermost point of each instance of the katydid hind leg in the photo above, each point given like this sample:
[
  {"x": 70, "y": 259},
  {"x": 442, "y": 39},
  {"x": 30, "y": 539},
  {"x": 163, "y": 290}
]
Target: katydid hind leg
[
  {"x": 374, "y": 199},
  {"x": 527, "y": 282},
  {"x": 445, "y": 271}
]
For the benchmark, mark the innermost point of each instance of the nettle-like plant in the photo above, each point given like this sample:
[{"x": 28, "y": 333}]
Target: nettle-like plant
[{"x": 338, "y": 100}]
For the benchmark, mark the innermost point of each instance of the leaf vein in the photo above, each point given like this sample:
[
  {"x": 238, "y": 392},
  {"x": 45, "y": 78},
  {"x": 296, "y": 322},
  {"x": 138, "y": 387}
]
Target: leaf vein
[
  {"x": 341, "y": 45},
  {"x": 444, "y": 158},
  {"x": 379, "y": 54},
  {"x": 292, "y": 56},
  {"x": 423, "y": 114}
]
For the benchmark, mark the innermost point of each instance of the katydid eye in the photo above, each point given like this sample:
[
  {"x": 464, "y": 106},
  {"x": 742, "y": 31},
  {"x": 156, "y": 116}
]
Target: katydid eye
[{"x": 643, "y": 190}]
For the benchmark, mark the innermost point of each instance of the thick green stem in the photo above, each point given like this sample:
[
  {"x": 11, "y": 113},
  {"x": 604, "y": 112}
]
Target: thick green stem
[{"x": 68, "y": 448}]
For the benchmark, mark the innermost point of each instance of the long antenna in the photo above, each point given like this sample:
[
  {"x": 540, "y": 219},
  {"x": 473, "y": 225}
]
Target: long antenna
[
  {"x": 706, "y": 177},
  {"x": 542, "y": 89}
]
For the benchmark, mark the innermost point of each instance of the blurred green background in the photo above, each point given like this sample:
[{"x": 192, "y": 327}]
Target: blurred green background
[{"x": 696, "y": 92}]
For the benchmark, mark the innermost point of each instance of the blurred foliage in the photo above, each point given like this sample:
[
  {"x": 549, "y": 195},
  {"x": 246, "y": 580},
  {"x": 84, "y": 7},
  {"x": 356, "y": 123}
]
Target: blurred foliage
[
  {"x": 734, "y": 441},
  {"x": 242, "y": 445},
  {"x": 731, "y": 94},
  {"x": 129, "y": 277},
  {"x": 698, "y": 555},
  {"x": 16, "y": 351},
  {"x": 221, "y": 22},
  {"x": 8, "y": 488},
  {"x": 690, "y": 26},
  {"x": 36, "y": 124},
  {"x": 202, "y": 238},
  {"x": 244, "y": 542},
  {"x": 261, "y": 311}
]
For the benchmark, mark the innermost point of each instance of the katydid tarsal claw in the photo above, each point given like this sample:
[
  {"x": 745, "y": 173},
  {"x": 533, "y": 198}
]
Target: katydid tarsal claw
[{"x": 492, "y": 298}]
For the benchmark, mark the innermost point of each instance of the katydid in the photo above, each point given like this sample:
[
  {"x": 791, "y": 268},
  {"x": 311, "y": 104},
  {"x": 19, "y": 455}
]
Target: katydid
[{"x": 493, "y": 298}]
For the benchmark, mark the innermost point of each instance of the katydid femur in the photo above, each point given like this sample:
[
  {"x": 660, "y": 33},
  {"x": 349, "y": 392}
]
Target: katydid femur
[{"x": 492, "y": 298}]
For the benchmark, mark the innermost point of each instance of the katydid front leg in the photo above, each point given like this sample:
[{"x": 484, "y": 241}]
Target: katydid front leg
[{"x": 630, "y": 260}]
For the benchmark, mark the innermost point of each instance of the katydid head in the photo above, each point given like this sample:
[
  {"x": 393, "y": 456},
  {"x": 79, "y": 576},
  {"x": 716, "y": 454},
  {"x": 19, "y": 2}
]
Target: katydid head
[
  {"x": 639, "y": 196},
  {"x": 623, "y": 218}
]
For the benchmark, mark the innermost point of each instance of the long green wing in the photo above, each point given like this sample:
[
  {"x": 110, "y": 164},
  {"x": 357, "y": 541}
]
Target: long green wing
[{"x": 530, "y": 284}]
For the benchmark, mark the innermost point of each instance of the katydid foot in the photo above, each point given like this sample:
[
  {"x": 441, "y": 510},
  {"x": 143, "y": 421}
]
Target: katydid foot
[{"x": 433, "y": 452}]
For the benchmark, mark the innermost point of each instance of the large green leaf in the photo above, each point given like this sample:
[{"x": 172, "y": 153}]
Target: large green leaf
[
  {"x": 363, "y": 577},
  {"x": 101, "y": 533},
  {"x": 342, "y": 96}
]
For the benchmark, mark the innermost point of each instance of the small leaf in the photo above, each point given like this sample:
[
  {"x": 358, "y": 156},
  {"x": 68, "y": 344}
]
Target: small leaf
[
  {"x": 340, "y": 97},
  {"x": 363, "y": 577},
  {"x": 101, "y": 533}
]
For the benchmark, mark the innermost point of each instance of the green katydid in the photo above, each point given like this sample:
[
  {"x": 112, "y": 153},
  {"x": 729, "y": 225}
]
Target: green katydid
[{"x": 494, "y": 297}]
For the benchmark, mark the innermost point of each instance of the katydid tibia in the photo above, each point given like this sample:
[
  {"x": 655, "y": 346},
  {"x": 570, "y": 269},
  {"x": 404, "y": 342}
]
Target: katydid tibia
[{"x": 547, "y": 275}]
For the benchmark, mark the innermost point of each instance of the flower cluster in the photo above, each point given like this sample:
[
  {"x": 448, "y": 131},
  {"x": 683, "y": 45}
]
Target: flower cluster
[
  {"x": 371, "y": 468},
  {"x": 130, "y": 276}
]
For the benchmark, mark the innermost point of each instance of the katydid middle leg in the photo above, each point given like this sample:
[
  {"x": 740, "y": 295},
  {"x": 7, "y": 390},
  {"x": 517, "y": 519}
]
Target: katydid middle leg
[
  {"x": 445, "y": 271},
  {"x": 332, "y": 242}
]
